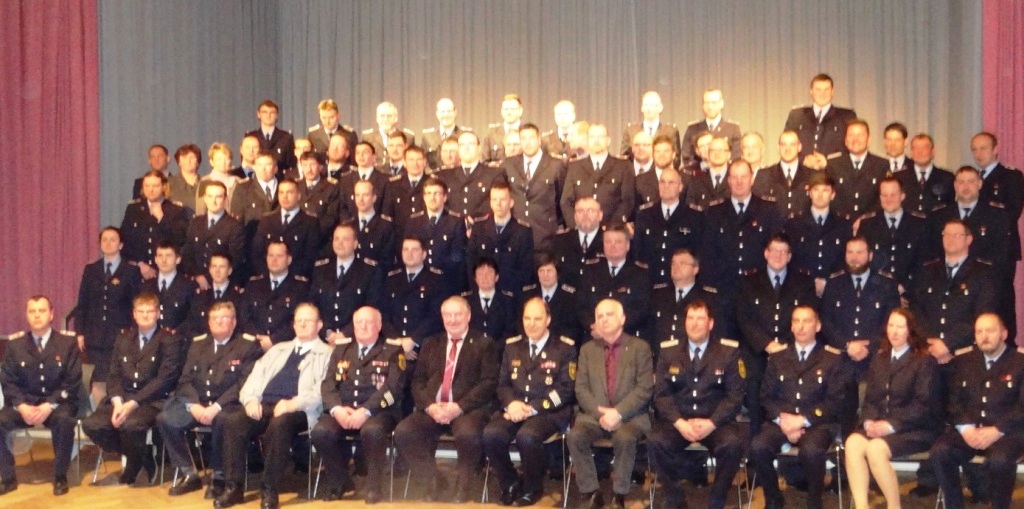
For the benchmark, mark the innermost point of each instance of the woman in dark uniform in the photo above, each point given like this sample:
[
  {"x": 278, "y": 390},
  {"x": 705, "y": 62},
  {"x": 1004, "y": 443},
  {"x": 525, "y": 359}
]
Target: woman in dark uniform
[{"x": 901, "y": 410}]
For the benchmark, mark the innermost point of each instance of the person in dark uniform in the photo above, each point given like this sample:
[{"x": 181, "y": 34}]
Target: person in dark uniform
[
  {"x": 530, "y": 416},
  {"x": 320, "y": 134},
  {"x": 431, "y": 138},
  {"x": 927, "y": 186},
  {"x": 701, "y": 163},
  {"x": 271, "y": 138},
  {"x": 279, "y": 399},
  {"x": 157, "y": 156},
  {"x": 151, "y": 220},
  {"x": 708, "y": 183},
  {"x": 318, "y": 195},
  {"x": 697, "y": 396},
  {"x": 895, "y": 139},
  {"x": 104, "y": 307},
  {"x": 896, "y": 234},
  {"x": 41, "y": 379},
  {"x": 271, "y": 298},
  {"x": 651, "y": 108},
  {"x": 801, "y": 394},
  {"x": 556, "y": 142},
  {"x": 900, "y": 413},
  {"x": 785, "y": 182},
  {"x": 818, "y": 236},
  {"x": 394, "y": 162},
  {"x": 641, "y": 158},
  {"x": 403, "y": 194},
  {"x": 536, "y": 180},
  {"x": 647, "y": 183},
  {"x": 221, "y": 290},
  {"x": 614, "y": 277},
  {"x": 606, "y": 178},
  {"x": 291, "y": 225},
  {"x": 342, "y": 283},
  {"x": 713, "y": 123},
  {"x": 175, "y": 291},
  {"x": 985, "y": 404},
  {"x": 412, "y": 296},
  {"x": 339, "y": 153},
  {"x": 493, "y": 309},
  {"x": 767, "y": 296},
  {"x": 146, "y": 363},
  {"x": 347, "y": 182},
  {"x": 213, "y": 232},
  {"x": 581, "y": 243},
  {"x": 362, "y": 396},
  {"x": 469, "y": 184},
  {"x": 742, "y": 225},
  {"x": 442, "y": 233},
  {"x": 666, "y": 225},
  {"x": 375, "y": 231},
  {"x": 256, "y": 196},
  {"x": 387, "y": 124},
  {"x": 217, "y": 364},
  {"x": 508, "y": 242},
  {"x": 453, "y": 387},
  {"x": 821, "y": 126},
  {"x": 856, "y": 173},
  {"x": 560, "y": 297},
  {"x": 493, "y": 141},
  {"x": 669, "y": 300}
]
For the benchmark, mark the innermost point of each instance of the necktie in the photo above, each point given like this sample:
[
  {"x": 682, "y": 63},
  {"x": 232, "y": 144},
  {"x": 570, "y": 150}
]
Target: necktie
[
  {"x": 163, "y": 285},
  {"x": 857, "y": 284},
  {"x": 583, "y": 245},
  {"x": 789, "y": 177},
  {"x": 966, "y": 213},
  {"x": 501, "y": 228},
  {"x": 212, "y": 222},
  {"x": 856, "y": 165},
  {"x": 533, "y": 351},
  {"x": 803, "y": 355},
  {"x": 362, "y": 224},
  {"x": 275, "y": 284},
  {"x": 341, "y": 271},
  {"x": 266, "y": 136},
  {"x": 547, "y": 298},
  {"x": 449, "y": 371},
  {"x": 597, "y": 166},
  {"x": 650, "y": 131},
  {"x": 411, "y": 277},
  {"x": 819, "y": 116},
  {"x": 778, "y": 282},
  {"x": 39, "y": 344},
  {"x": 892, "y": 225},
  {"x": 433, "y": 220},
  {"x": 465, "y": 169},
  {"x": 414, "y": 183},
  {"x": 718, "y": 181},
  {"x": 894, "y": 166},
  {"x": 286, "y": 217},
  {"x": 362, "y": 352},
  {"x": 266, "y": 190},
  {"x": 711, "y": 128},
  {"x": 821, "y": 220},
  {"x": 487, "y": 305},
  {"x": 529, "y": 172},
  {"x": 110, "y": 269},
  {"x": 142, "y": 341},
  {"x": 990, "y": 363},
  {"x": 950, "y": 269},
  {"x": 615, "y": 269},
  {"x": 217, "y": 294},
  {"x": 741, "y": 207},
  {"x": 679, "y": 295},
  {"x": 923, "y": 178},
  {"x": 696, "y": 355},
  {"x": 668, "y": 212}
]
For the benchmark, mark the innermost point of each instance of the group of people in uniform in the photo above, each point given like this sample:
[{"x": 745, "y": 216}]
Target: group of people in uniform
[{"x": 361, "y": 287}]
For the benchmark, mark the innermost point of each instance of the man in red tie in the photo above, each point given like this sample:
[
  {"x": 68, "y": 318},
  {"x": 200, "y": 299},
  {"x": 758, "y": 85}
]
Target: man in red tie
[{"x": 453, "y": 388}]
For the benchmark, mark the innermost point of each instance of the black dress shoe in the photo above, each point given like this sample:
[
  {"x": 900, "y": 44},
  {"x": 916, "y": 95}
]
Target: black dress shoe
[
  {"x": 618, "y": 502},
  {"x": 528, "y": 499},
  {"x": 214, "y": 490},
  {"x": 126, "y": 478},
  {"x": 592, "y": 500},
  {"x": 190, "y": 483},
  {"x": 920, "y": 491},
  {"x": 268, "y": 498},
  {"x": 374, "y": 497},
  {"x": 60, "y": 486},
  {"x": 8, "y": 486},
  {"x": 233, "y": 494},
  {"x": 508, "y": 495}
]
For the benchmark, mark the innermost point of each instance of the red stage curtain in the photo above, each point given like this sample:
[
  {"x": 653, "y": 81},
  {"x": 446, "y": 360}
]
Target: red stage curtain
[{"x": 49, "y": 110}]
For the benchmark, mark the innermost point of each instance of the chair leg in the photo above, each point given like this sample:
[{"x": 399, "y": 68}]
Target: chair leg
[
  {"x": 99, "y": 461},
  {"x": 487, "y": 475},
  {"x": 568, "y": 483},
  {"x": 405, "y": 494},
  {"x": 750, "y": 490},
  {"x": 565, "y": 472},
  {"x": 391, "y": 456}
]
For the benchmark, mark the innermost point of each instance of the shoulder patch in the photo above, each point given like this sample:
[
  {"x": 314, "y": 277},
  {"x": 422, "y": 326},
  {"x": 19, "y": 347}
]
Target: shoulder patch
[
  {"x": 832, "y": 349},
  {"x": 342, "y": 341},
  {"x": 938, "y": 207},
  {"x": 200, "y": 337},
  {"x": 566, "y": 340},
  {"x": 659, "y": 286},
  {"x": 507, "y": 293},
  {"x": 669, "y": 344},
  {"x": 301, "y": 278},
  {"x": 393, "y": 341},
  {"x": 529, "y": 287},
  {"x": 493, "y": 125},
  {"x": 731, "y": 343},
  {"x": 984, "y": 261},
  {"x": 248, "y": 337},
  {"x": 16, "y": 335},
  {"x": 324, "y": 261},
  {"x": 454, "y": 214},
  {"x": 710, "y": 289},
  {"x": 513, "y": 339},
  {"x": 523, "y": 223},
  {"x": 548, "y": 133},
  {"x": 437, "y": 271},
  {"x": 568, "y": 289},
  {"x": 997, "y": 205},
  {"x": 466, "y": 128},
  {"x": 961, "y": 351},
  {"x": 836, "y": 274},
  {"x": 135, "y": 201},
  {"x": 592, "y": 261},
  {"x": 646, "y": 205},
  {"x": 369, "y": 261},
  {"x": 332, "y": 180},
  {"x": 396, "y": 272},
  {"x": 348, "y": 128}
]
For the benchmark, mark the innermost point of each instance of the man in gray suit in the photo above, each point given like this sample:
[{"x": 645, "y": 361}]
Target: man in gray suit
[{"x": 612, "y": 407}]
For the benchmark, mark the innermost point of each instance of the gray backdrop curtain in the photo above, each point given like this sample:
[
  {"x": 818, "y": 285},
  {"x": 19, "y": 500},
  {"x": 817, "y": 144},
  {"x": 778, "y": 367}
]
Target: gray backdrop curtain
[{"x": 179, "y": 71}]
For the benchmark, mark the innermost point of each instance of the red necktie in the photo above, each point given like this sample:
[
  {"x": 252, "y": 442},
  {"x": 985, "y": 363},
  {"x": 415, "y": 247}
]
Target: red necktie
[{"x": 449, "y": 371}]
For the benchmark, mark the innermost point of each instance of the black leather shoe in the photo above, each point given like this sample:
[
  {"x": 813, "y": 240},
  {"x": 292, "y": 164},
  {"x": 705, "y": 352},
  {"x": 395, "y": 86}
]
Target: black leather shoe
[
  {"x": 592, "y": 500},
  {"x": 923, "y": 491},
  {"x": 268, "y": 498},
  {"x": 374, "y": 497},
  {"x": 215, "y": 489},
  {"x": 618, "y": 502},
  {"x": 190, "y": 483},
  {"x": 528, "y": 499},
  {"x": 60, "y": 486},
  {"x": 8, "y": 486},
  {"x": 126, "y": 478},
  {"x": 233, "y": 494},
  {"x": 508, "y": 495}
]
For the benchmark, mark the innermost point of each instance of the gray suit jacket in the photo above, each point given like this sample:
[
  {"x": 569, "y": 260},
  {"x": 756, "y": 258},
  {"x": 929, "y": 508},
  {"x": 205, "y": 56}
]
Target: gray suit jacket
[{"x": 634, "y": 384}]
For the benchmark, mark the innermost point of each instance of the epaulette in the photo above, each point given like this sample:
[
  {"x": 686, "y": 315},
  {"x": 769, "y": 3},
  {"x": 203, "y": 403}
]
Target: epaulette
[
  {"x": 750, "y": 271},
  {"x": 310, "y": 214},
  {"x": 342, "y": 341},
  {"x": 466, "y": 293},
  {"x": 271, "y": 212},
  {"x": 716, "y": 202},
  {"x": 17, "y": 335},
  {"x": 933, "y": 262},
  {"x": 783, "y": 349},
  {"x": 465, "y": 128},
  {"x": 496, "y": 124},
  {"x": 659, "y": 286},
  {"x": 710, "y": 289},
  {"x": 135, "y": 201},
  {"x": 200, "y": 337},
  {"x": 801, "y": 107},
  {"x": 983, "y": 261},
  {"x": 832, "y": 349},
  {"x": 640, "y": 264},
  {"x": 68, "y": 332},
  {"x": 455, "y": 214},
  {"x": 646, "y": 205},
  {"x": 393, "y": 341},
  {"x": 918, "y": 214},
  {"x": 257, "y": 277},
  {"x": 513, "y": 339},
  {"x": 348, "y": 128},
  {"x": 243, "y": 180},
  {"x": 869, "y": 215},
  {"x": 396, "y": 178},
  {"x": 396, "y": 271},
  {"x": 592, "y": 261},
  {"x": 997, "y": 205},
  {"x": 133, "y": 263},
  {"x": 529, "y": 287},
  {"x": 670, "y": 343},
  {"x": 836, "y": 274},
  {"x": 547, "y": 133},
  {"x": 963, "y": 350},
  {"x": 630, "y": 124},
  {"x": 332, "y": 180},
  {"x": 833, "y": 155},
  {"x": 1020, "y": 349},
  {"x": 370, "y": 261},
  {"x": 314, "y": 127},
  {"x": 568, "y": 288},
  {"x": 324, "y": 261},
  {"x": 416, "y": 214},
  {"x": 938, "y": 207},
  {"x": 437, "y": 271},
  {"x": 523, "y": 223},
  {"x": 613, "y": 156},
  {"x": 428, "y": 130},
  {"x": 885, "y": 274},
  {"x": 769, "y": 198},
  {"x": 408, "y": 131},
  {"x": 301, "y": 278},
  {"x": 368, "y": 131},
  {"x": 507, "y": 293},
  {"x": 731, "y": 343},
  {"x": 696, "y": 207},
  {"x": 480, "y": 218}
]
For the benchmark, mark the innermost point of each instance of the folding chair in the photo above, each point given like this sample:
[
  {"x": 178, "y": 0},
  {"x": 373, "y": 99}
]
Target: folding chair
[
  {"x": 606, "y": 443},
  {"x": 557, "y": 437},
  {"x": 792, "y": 452}
]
